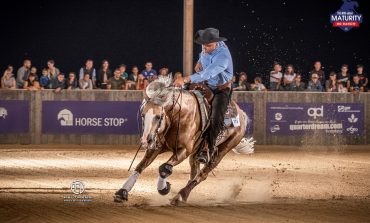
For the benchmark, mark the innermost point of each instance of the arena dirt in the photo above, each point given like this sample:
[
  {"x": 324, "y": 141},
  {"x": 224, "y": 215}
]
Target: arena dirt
[{"x": 276, "y": 184}]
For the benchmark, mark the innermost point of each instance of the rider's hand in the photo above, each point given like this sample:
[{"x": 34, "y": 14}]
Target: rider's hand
[
  {"x": 178, "y": 82},
  {"x": 198, "y": 67}
]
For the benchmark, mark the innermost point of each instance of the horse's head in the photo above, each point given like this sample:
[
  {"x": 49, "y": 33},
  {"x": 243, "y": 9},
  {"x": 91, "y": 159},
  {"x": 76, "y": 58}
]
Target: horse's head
[{"x": 153, "y": 112}]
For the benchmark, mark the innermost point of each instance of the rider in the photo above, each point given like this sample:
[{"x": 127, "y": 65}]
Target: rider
[{"x": 215, "y": 68}]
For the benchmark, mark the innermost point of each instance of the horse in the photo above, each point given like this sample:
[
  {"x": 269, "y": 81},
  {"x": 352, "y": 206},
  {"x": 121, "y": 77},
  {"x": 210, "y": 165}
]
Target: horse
[{"x": 172, "y": 123}]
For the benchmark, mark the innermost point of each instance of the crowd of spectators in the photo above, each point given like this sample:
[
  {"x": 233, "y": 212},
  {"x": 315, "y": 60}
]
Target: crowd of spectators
[{"x": 88, "y": 78}]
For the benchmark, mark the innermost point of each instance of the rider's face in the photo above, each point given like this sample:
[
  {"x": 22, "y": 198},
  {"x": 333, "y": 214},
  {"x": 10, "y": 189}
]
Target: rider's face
[{"x": 209, "y": 47}]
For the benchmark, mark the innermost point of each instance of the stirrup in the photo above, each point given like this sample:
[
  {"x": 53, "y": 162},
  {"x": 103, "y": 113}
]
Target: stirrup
[{"x": 203, "y": 157}]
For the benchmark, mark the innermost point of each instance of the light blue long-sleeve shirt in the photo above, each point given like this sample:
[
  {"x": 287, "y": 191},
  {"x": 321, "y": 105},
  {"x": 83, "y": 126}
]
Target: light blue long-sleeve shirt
[{"x": 217, "y": 67}]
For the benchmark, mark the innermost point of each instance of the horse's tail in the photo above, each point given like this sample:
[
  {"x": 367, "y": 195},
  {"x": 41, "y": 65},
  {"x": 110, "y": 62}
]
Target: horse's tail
[{"x": 246, "y": 145}]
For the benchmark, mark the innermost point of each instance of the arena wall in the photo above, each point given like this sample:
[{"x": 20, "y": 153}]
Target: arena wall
[{"x": 259, "y": 100}]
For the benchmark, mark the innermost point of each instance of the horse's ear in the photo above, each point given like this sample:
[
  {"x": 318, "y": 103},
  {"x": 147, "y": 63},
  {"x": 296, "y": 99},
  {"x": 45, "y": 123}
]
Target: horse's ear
[{"x": 145, "y": 95}]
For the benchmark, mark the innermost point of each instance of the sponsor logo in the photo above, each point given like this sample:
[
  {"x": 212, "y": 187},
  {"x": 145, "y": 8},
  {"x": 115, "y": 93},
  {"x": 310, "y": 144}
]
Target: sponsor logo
[
  {"x": 3, "y": 112},
  {"x": 65, "y": 117},
  {"x": 346, "y": 17},
  {"x": 278, "y": 116},
  {"x": 316, "y": 112},
  {"x": 275, "y": 128},
  {"x": 352, "y": 119},
  {"x": 352, "y": 130}
]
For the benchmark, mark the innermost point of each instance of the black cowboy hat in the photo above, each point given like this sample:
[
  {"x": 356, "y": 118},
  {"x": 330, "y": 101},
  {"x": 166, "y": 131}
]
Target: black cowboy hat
[{"x": 208, "y": 35}]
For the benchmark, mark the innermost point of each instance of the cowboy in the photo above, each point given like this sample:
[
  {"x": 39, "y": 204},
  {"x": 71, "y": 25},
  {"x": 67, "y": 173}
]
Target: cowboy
[{"x": 215, "y": 69}]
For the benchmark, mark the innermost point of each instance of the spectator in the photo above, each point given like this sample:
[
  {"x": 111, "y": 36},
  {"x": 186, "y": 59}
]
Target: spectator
[
  {"x": 23, "y": 72},
  {"x": 53, "y": 72},
  {"x": 45, "y": 81},
  {"x": 59, "y": 83},
  {"x": 243, "y": 84},
  {"x": 72, "y": 83},
  {"x": 343, "y": 76},
  {"x": 275, "y": 77},
  {"x": 116, "y": 82},
  {"x": 289, "y": 76},
  {"x": 341, "y": 88},
  {"x": 28, "y": 84},
  {"x": 363, "y": 77},
  {"x": 122, "y": 70},
  {"x": 130, "y": 85},
  {"x": 298, "y": 84},
  {"x": 258, "y": 86},
  {"x": 331, "y": 85},
  {"x": 163, "y": 71},
  {"x": 356, "y": 85},
  {"x": 134, "y": 74},
  {"x": 149, "y": 72},
  {"x": 88, "y": 69},
  {"x": 103, "y": 75},
  {"x": 86, "y": 83},
  {"x": 34, "y": 72},
  {"x": 314, "y": 84},
  {"x": 8, "y": 80},
  {"x": 234, "y": 83},
  {"x": 318, "y": 70},
  {"x": 35, "y": 87},
  {"x": 142, "y": 82}
]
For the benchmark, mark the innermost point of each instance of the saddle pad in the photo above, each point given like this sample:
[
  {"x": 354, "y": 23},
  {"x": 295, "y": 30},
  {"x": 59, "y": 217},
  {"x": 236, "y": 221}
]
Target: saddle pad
[{"x": 204, "y": 110}]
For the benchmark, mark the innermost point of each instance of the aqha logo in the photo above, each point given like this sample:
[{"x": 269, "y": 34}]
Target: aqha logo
[{"x": 346, "y": 17}]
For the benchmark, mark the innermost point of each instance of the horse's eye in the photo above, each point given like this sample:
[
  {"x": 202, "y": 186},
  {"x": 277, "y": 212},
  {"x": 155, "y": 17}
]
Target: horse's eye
[{"x": 157, "y": 117}]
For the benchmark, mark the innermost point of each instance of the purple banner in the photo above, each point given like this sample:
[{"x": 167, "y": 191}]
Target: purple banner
[
  {"x": 249, "y": 110},
  {"x": 14, "y": 116},
  {"x": 310, "y": 118},
  {"x": 90, "y": 117}
]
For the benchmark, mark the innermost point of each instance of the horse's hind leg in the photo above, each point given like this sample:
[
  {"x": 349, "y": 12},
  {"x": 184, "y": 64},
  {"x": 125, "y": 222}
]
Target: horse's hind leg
[
  {"x": 165, "y": 170},
  {"x": 194, "y": 166},
  {"x": 122, "y": 194},
  {"x": 183, "y": 194}
]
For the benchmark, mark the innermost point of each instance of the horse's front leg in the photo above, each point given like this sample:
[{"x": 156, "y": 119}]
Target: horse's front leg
[
  {"x": 122, "y": 194},
  {"x": 165, "y": 170}
]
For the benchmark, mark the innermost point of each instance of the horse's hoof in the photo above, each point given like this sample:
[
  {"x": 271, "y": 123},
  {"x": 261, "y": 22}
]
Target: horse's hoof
[
  {"x": 165, "y": 190},
  {"x": 121, "y": 195},
  {"x": 177, "y": 200}
]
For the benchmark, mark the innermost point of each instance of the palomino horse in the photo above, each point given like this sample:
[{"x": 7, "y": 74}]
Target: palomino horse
[{"x": 172, "y": 122}]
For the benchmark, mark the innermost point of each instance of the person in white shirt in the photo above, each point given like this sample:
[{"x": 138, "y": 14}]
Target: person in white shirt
[{"x": 275, "y": 77}]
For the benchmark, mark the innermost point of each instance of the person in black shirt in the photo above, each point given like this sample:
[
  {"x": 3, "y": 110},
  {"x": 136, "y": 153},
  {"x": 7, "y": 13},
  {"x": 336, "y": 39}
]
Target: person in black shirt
[
  {"x": 103, "y": 75},
  {"x": 356, "y": 85},
  {"x": 363, "y": 77},
  {"x": 344, "y": 76}
]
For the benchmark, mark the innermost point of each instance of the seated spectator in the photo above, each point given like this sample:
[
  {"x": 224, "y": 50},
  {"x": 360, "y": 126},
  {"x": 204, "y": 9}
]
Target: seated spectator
[
  {"x": 86, "y": 83},
  {"x": 116, "y": 82},
  {"x": 297, "y": 84},
  {"x": 163, "y": 72},
  {"x": 356, "y": 85},
  {"x": 88, "y": 69},
  {"x": 52, "y": 70},
  {"x": 8, "y": 80},
  {"x": 331, "y": 85},
  {"x": 318, "y": 70},
  {"x": 149, "y": 72},
  {"x": 142, "y": 83},
  {"x": 314, "y": 84},
  {"x": 257, "y": 85},
  {"x": 288, "y": 78},
  {"x": 23, "y": 72},
  {"x": 130, "y": 85},
  {"x": 59, "y": 83},
  {"x": 45, "y": 81},
  {"x": 103, "y": 75},
  {"x": 72, "y": 81},
  {"x": 275, "y": 77},
  {"x": 341, "y": 88},
  {"x": 243, "y": 84},
  {"x": 34, "y": 72},
  {"x": 35, "y": 87},
  {"x": 234, "y": 83},
  {"x": 29, "y": 82},
  {"x": 122, "y": 70},
  {"x": 364, "y": 80},
  {"x": 134, "y": 74},
  {"x": 344, "y": 76}
]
